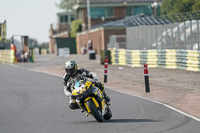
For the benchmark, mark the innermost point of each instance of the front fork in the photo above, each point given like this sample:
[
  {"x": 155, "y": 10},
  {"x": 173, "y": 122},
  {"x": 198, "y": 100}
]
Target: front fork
[{"x": 84, "y": 106}]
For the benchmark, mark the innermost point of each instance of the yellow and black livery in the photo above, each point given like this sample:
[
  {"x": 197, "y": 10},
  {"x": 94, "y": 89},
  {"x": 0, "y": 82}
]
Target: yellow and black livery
[{"x": 90, "y": 99}]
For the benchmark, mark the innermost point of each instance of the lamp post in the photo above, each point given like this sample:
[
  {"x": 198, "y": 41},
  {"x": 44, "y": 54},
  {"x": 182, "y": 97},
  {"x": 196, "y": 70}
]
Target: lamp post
[
  {"x": 88, "y": 13},
  {"x": 154, "y": 6}
]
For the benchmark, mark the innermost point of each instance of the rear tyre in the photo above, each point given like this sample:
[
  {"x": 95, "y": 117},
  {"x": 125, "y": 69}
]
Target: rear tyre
[
  {"x": 108, "y": 114},
  {"x": 96, "y": 113}
]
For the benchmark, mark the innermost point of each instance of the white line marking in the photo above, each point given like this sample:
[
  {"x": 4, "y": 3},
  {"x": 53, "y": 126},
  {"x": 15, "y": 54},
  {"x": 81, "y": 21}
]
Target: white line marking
[
  {"x": 168, "y": 106},
  {"x": 44, "y": 72}
]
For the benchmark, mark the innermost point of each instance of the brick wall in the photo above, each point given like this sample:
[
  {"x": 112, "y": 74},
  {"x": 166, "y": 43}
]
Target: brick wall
[
  {"x": 100, "y": 38},
  {"x": 96, "y": 37},
  {"x": 51, "y": 42},
  {"x": 119, "y": 13},
  {"x": 63, "y": 27}
]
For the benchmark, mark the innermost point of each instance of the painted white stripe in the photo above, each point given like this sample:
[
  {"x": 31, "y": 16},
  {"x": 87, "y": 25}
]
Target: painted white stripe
[
  {"x": 146, "y": 74},
  {"x": 105, "y": 68},
  {"x": 44, "y": 72},
  {"x": 35, "y": 70},
  {"x": 168, "y": 106},
  {"x": 105, "y": 74},
  {"x": 106, "y": 63}
]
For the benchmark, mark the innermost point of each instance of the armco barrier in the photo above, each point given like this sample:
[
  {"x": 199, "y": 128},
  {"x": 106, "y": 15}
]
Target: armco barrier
[
  {"x": 172, "y": 59},
  {"x": 7, "y": 56}
]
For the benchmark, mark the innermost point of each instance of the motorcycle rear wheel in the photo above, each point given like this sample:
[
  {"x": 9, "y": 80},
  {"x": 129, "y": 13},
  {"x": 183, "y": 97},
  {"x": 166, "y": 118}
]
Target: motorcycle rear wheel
[{"x": 97, "y": 115}]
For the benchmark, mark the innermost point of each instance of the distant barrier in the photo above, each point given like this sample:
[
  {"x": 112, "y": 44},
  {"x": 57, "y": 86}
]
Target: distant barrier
[
  {"x": 44, "y": 51},
  {"x": 172, "y": 59},
  {"x": 7, "y": 56}
]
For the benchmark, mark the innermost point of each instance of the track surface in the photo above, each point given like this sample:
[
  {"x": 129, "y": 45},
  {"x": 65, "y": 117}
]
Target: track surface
[{"x": 32, "y": 102}]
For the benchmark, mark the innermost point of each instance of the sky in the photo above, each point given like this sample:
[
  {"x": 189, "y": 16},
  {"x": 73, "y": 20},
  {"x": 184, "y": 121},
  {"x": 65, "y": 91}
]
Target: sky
[{"x": 29, "y": 17}]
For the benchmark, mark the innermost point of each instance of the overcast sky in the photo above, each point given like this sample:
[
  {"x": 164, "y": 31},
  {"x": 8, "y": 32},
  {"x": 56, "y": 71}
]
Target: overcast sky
[{"x": 29, "y": 17}]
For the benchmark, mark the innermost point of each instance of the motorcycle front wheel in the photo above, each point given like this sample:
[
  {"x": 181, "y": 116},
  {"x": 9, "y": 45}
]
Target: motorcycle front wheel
[
  {"x": 108, "y": 114},
  {"x": 96, "y": 113}
]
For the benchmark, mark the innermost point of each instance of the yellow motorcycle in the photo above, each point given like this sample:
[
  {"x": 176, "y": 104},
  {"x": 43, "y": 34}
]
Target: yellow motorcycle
[{"x": 90, "y": 99}]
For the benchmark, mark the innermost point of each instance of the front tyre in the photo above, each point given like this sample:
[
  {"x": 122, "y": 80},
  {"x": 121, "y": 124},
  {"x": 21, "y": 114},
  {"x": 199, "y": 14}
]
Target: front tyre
[
  {"x": 108, "y": 114},
  {"x": 97, "y": 115}
]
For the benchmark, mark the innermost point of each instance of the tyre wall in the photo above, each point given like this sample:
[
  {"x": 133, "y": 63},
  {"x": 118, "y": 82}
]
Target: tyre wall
[
  {"x": 169, "y": 58},
  {"x": 7, "y": 56}
]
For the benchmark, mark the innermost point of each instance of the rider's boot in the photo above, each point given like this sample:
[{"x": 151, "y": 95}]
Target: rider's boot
[{"x": 73, "y": 104}]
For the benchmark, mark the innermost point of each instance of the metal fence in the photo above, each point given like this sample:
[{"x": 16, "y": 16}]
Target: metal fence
[
  {"x": 184, "y": 35},
  {"x": 117, "y": 41},
  {"x": 183, "y": 32}
]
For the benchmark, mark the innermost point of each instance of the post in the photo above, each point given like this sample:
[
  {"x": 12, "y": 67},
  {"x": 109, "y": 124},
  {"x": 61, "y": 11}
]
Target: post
[
  {"x": 198, "y": 34},
  {"x": 105, "y": 70},
  {"x": 146, "y": 77},
  {"x": 185, "y": 43},
  {"x": 88, "y": 13},
  {"x": 191, "y": 47}
]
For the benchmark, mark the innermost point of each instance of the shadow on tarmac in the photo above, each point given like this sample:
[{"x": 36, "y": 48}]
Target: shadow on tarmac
[{"x": 129, "y": 120}]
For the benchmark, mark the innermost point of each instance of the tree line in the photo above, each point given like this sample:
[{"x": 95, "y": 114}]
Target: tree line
[
  {"x": 179, "y": 6},
  {"x": 168, "y": 6}
]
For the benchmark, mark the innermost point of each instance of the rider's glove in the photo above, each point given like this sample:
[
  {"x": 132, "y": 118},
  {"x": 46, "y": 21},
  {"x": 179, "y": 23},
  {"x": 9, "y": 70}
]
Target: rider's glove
[
  {"x": 69, "y": 84},
  {"x": 68, "y": 87},
  {"x": 95, "y": 79},
  {"x": 84, "y": 73},
  {"x": 65, "y": 83}
]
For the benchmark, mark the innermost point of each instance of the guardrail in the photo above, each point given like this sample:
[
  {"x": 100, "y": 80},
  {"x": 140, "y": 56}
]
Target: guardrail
[
  {"x": 7, "y": 56},
  {"x": 172, "y": 59}
]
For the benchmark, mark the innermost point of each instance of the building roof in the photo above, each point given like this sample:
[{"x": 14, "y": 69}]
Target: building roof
[
  {"x": 116, "y": 1},
  {"x": 67, "y": 13},
  {"x": 132, "y": 21},
  {"x": 113, "y": 3}
]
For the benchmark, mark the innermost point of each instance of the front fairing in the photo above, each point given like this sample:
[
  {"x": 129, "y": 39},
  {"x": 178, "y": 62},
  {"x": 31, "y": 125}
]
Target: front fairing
[
  {"x": 88, "y": 91},
  {"x": 83, "y": 91}
]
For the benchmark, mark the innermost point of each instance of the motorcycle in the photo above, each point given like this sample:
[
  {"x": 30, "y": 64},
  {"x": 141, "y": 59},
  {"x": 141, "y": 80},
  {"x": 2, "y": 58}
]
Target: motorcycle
[{"x": 90, "y": 99}]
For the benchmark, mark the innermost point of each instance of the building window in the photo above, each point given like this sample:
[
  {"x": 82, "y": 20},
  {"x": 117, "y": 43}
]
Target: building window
[
  {"x": 129, "y": 11},
  {"x": 72, "y": 18},
  {"x": 66, "y": 19},
  {"x": 61, "y": 19},
  {"x": 109, "y": 12},
  {"x": 99, "y": 12}
]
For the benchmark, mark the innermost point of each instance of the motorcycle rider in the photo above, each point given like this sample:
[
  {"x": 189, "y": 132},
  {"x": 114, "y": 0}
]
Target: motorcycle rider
[{"x": 73, "y": 75}]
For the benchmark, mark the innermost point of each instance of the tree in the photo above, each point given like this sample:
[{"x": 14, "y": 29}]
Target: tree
[
  {"x": 66, "y": 4},
  {"x": 76, "y": 27},
  {"x": 33, "y": 43},
  {"x": 196, "y": 6},
  {"x": 44, "y": 45},
  {"x": 179, "y": 6}
]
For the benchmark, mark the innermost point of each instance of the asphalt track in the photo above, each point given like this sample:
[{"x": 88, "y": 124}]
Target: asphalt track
[{"x": 33, "y": 102}]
